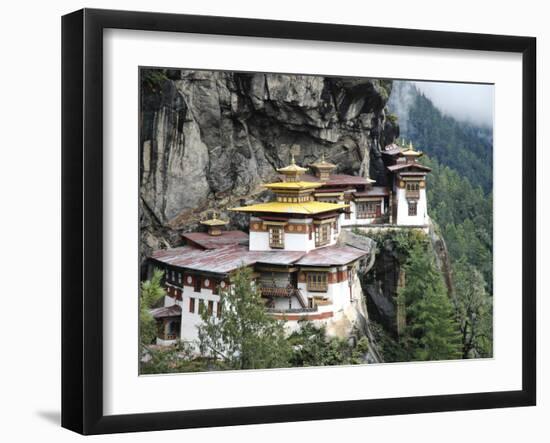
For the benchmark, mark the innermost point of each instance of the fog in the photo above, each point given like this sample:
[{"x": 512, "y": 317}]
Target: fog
[{"x": 463, "y": 101}]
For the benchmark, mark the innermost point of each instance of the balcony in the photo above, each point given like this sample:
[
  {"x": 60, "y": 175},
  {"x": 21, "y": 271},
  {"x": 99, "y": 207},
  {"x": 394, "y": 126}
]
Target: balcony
[
  {"x": 291, "y": 311},
  {"x": 289, "y": 291},
  {"x": 410, "y": 194}
]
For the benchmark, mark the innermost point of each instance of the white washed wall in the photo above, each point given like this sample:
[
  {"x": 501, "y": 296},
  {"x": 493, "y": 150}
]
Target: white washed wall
[{"x": 403, "y": 217}]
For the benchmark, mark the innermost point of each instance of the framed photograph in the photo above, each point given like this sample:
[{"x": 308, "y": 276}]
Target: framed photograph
[{"x": 269, "y": 221}]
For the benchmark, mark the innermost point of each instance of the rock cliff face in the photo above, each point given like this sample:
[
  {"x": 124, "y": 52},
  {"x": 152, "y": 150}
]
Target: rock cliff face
[
  {"x": 209, "y": 139},
  {"x": 386, "y": 276}
]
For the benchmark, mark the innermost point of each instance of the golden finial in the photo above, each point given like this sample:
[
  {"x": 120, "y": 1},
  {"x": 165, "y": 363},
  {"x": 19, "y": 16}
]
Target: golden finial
[
  {"x": 292, "y": 161},
  {"x": 411, "y": 146},
  {"x": 323, "y": 157}
]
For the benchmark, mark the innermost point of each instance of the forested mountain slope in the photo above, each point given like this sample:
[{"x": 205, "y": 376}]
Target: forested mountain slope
[{"x": 464, "y": 147}]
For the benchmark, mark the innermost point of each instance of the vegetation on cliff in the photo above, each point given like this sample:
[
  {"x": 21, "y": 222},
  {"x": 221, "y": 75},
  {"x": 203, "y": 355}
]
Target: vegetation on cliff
[
  {"x": 151, "y": 292},
  {"x": 424, "y": 324}
]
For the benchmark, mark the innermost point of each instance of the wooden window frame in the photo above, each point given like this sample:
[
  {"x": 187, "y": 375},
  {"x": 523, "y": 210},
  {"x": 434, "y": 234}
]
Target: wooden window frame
[
  {"x": 281, "y": 233},
  {"x": 192, "y": 305},
  {"x": 366, "y": 209},
  {"x": 322, "y": 230},
  {"x": 412, "y": 209},
  {"x": 317, "y": 281}
]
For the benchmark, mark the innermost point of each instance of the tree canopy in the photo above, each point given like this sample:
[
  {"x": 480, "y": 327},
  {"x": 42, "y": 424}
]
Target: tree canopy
[
  {"x": 151, "y": 292},
  {"x": 245, "y": 336},
  {"x": 431, "y": 332}
]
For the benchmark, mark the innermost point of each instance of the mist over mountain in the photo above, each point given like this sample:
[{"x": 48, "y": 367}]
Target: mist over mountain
[{"x": 466, "y": 147}]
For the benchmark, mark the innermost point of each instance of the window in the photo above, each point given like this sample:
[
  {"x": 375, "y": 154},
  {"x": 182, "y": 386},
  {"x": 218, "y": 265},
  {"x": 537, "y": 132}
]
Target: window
[
  {"x": 210, "y": 307},
  {"x": 412, "y": 208},
  {"x": 197, "y": 285},
  {"x": 276, "y": 237},
  {"x": 219, "y": 310},
  {"x": 412, "y": 189},
  {"x": 192, "y": 305},
  {"x": 179, "y": 277},
  {"x": 201, "y": 305},
  {"x": 317, "y": 281},
  {"x": 322, "y": 234},
  {"x": 366, "y": 209}
]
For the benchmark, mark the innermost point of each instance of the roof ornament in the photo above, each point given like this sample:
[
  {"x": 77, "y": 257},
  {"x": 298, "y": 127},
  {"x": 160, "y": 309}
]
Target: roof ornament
[
  {"x": 214, "y": 224},
  {"x": 292, "y": 172},
  {"x": 322, "y": 168}
]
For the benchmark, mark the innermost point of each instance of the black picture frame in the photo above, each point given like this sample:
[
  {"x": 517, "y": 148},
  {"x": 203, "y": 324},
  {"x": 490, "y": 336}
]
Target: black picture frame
[{"x": 82, "y": 215}]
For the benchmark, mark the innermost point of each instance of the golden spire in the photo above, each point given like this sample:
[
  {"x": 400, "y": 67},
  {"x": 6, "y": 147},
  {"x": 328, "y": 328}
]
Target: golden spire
[
  {"x": 214, "y": 221},
  {"x": 410, "y": 152},
  {"x": 214, "y": 224},
  {"x": 323, "y": 168},
  {"x": 292, "y": 172}
]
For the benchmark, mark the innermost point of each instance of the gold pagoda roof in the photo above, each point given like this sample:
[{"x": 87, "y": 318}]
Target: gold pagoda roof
[
  {"x": 323, "y": 164},
  {"x": 291, "y": 186},
  {"x": 214, "y": 221},
  {"x": 292, "y": 169},
  {"x": 304, "y": 208},
  {"x": 409, "y": 151}
]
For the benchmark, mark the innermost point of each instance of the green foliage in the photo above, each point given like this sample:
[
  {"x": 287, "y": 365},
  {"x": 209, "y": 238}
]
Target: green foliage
[
  {"x": 388, "y": 346},
  {"x": 465, "y": 216},
  {"x": 151, "y": 292},
  {"x": 431, "y": 332},
  {"x": 400, "y": 242},
  {"x": 474, "y": 310},
  {"x": 171, "y": 359},
  {"x": 245, "y": 337},
  {"x": 392, "y": 118},
  {"x": 152, "y": 79},
  {"x": 311, "y": 347}
]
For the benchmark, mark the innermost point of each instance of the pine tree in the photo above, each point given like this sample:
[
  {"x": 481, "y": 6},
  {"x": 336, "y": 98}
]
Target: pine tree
[
  {"x": 245, "y": 336},
  {"x": 431, "y": 332},
  {"x": 474, "y": 310},
  {"x": 151, "y": 292}
]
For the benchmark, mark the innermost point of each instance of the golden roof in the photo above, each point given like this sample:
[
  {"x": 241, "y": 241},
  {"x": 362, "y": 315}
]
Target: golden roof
[
  {"x": 305, "y": 208},
  {"x": 292, "y": 169},
  {"x": 292, "y": 185},
  {"x": 323, "y": 164},
  {"x": 214, "y": 221},
  {"x": 411, "y": 152}
]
